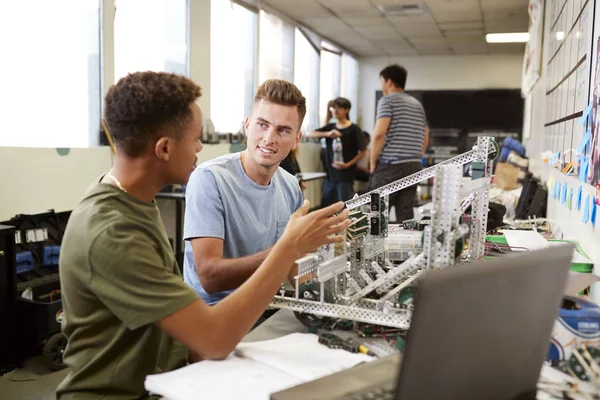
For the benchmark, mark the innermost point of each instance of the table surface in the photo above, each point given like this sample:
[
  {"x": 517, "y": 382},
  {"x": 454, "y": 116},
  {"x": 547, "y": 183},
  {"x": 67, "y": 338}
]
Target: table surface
[
  {"x": 311, "y": 176},
  {"x": 284, "y": 322},
  {"x": 170, "y": 195}
]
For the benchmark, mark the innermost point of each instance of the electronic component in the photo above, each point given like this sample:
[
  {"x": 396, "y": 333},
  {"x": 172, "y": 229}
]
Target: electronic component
[
  {"x": 414, "y": 224},
  {"x": 375, "y": 221},
  {"x": 477, "y": 170}
]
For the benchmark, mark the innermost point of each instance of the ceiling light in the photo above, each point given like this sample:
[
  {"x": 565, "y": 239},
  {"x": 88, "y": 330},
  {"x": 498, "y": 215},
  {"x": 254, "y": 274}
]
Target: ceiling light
[
  {"x": 401, "y": 9},
  {"x": 520, "y": 37},
  {"x": 560, "y": 36}
]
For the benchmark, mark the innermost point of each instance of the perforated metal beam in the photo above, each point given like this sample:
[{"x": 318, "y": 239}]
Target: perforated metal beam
[
  {"x": 410, "y": 180},
  {"x": 399, "y": 319}
]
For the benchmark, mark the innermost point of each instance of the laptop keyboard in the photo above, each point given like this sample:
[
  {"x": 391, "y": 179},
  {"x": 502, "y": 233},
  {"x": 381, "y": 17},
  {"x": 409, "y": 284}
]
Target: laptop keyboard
[{"x": 373, "y": 394}]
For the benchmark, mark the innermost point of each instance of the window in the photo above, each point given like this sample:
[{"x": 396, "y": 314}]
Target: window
[
  {"x": 51, "y": 75},
  {"x": 306, "y": 77},
  {"x": 330, "y": 80},
  {"x": 232, "y": 64},
  {"x": 349, "y": 83},
  {"x": 276, "y": 50},
  {"x": 151, "y": 35}
]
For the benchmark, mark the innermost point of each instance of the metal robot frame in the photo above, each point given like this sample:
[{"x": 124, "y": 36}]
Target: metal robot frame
[{"x": 357, "y": 281}]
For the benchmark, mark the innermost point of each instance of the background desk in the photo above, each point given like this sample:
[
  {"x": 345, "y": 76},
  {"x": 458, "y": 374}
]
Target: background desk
[
  {"x": 284, "y": 322},
  {"x": 312, "y": 176},
  {"x": 178, "y": 246}
]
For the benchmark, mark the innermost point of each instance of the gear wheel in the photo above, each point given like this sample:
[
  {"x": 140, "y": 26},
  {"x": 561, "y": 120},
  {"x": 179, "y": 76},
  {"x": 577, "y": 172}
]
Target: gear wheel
[{"x": 312, "y": 291}]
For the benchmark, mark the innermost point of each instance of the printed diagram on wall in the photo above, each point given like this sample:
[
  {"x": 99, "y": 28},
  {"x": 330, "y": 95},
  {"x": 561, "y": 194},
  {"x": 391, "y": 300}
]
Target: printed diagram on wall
[
  {"x": 594, "y": 168},
  {"x": 592, "y": 149},
  {"x": 567, "y": 62},
  {"x": 532, "y": 62}
]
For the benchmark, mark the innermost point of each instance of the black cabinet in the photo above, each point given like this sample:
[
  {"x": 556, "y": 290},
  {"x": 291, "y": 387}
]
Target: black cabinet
[{"x": 8, "y": 345}]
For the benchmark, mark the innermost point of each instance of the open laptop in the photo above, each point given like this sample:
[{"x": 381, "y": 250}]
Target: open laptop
[{"x": 479, "y": 331}]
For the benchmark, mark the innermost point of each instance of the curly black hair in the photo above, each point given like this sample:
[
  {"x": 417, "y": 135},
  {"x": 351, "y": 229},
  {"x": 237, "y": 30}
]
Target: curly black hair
[{"x": 144, "y": 104}]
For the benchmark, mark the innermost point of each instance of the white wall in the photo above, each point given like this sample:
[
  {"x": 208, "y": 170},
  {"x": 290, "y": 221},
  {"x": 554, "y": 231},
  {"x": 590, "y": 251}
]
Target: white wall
[
  {"x": 438, "y": 73},
  {"x": 36, "y": 180}
]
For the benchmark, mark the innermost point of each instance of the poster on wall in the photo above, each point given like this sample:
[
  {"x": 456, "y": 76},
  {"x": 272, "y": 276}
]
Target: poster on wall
[
  {"x": 532, "y": 61},
  {"x": 594, "y": 148}
]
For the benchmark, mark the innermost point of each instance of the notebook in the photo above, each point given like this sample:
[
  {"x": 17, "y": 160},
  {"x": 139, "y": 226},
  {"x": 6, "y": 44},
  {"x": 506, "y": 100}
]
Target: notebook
[{"x": 254, "y": 370}]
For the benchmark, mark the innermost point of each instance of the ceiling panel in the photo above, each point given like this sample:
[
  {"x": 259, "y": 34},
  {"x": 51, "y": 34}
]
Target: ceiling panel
[
  {"x": 446, "y": 26},
  {"x": 389, "y": 43},
  {"x": 378, "y": 32},
  {"x": 452, "y": 6},
  {"x": 350, "y": 39},
  {"x": 429, "y": 41},
  {"x": 515, "y": 14},
  {"x": 469, "y": 50},
  {"x": 364, "y": 21},
  {"x": 402, "y": 52},
  {"x": 451, "y": 16},
  {"x": 357, "y": 11},
  {"x": 495, "y": 5},
  {"x": 506, "y": 48},
  {"x": 435, "y": 52},
  {"x": 370, "y": 51},
  {"x": 506, "y": 25},
  {"x": 412, "y": 19},
  {"x": 421, "y": 32},
  {"x": 466, "y": 40},
  {"x": 460, "y": 26},
  {"x": 478, "y": 33},
  {"x": 344, "y": 3}
]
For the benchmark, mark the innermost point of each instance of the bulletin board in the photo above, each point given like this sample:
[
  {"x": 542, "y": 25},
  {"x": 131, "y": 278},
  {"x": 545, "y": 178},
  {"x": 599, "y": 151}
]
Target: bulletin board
[
  {"x": 568, "y": 60},
  {"x": 572, "y": 124}
]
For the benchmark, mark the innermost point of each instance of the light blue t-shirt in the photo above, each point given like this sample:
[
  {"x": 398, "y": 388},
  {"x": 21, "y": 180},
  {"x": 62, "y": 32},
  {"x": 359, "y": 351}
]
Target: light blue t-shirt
[{"x": 223, "y": 202}]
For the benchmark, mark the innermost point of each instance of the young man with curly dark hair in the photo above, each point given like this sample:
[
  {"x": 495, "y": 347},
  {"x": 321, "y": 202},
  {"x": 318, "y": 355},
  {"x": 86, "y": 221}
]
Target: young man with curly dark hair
[
  {"x": 127, "y": 311},
  {"x": 237, "y": 205}
]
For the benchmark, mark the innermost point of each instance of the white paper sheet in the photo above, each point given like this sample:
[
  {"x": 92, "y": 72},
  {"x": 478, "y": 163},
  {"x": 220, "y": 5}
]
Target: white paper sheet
[
  {"x": 301, "y": 355},
  {"x": 232, "y": 378},
  {"x": 532, "y": 240},
  {"x": 255, "y": 370}
]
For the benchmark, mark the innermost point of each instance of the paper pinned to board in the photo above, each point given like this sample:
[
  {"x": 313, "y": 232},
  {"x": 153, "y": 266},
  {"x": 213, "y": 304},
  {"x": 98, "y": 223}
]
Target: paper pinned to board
[
  {"x": 584, "y": 141},
  {"x": 570, "y": 199},
  {"x": 585, "y": 217},
  {"x": 578, "y": 198},
  {"x": 583, "y": 169},
  {"x": 593, "y": 207},
  {"x": 555, "y": 157},
  {"x": 563, "y": 196},
  {"x": 586, "y": 114}
]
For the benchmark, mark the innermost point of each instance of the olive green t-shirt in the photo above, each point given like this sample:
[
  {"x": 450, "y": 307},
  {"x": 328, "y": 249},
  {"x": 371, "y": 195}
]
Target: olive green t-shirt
[{"x": 118, "y": 276}]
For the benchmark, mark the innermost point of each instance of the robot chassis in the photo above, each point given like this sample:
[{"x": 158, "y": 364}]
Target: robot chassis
[{"x": 358, "y": 281}]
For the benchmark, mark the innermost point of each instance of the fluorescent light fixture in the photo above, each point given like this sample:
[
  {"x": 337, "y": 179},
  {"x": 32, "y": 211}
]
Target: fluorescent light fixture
[
  {"x": 520, "y": 37},
  {"x": 560, "y": 36}
]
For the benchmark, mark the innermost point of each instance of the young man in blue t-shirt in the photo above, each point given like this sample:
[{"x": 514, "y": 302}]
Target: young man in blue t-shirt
[{"x": 238, "y": 205}]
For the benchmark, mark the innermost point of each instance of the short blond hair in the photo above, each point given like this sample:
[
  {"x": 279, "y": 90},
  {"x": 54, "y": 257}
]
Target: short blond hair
[{"x": 282, "y": 92}]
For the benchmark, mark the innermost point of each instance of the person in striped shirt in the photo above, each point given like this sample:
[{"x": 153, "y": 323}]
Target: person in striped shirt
[{"x": 399, "y": 139}]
